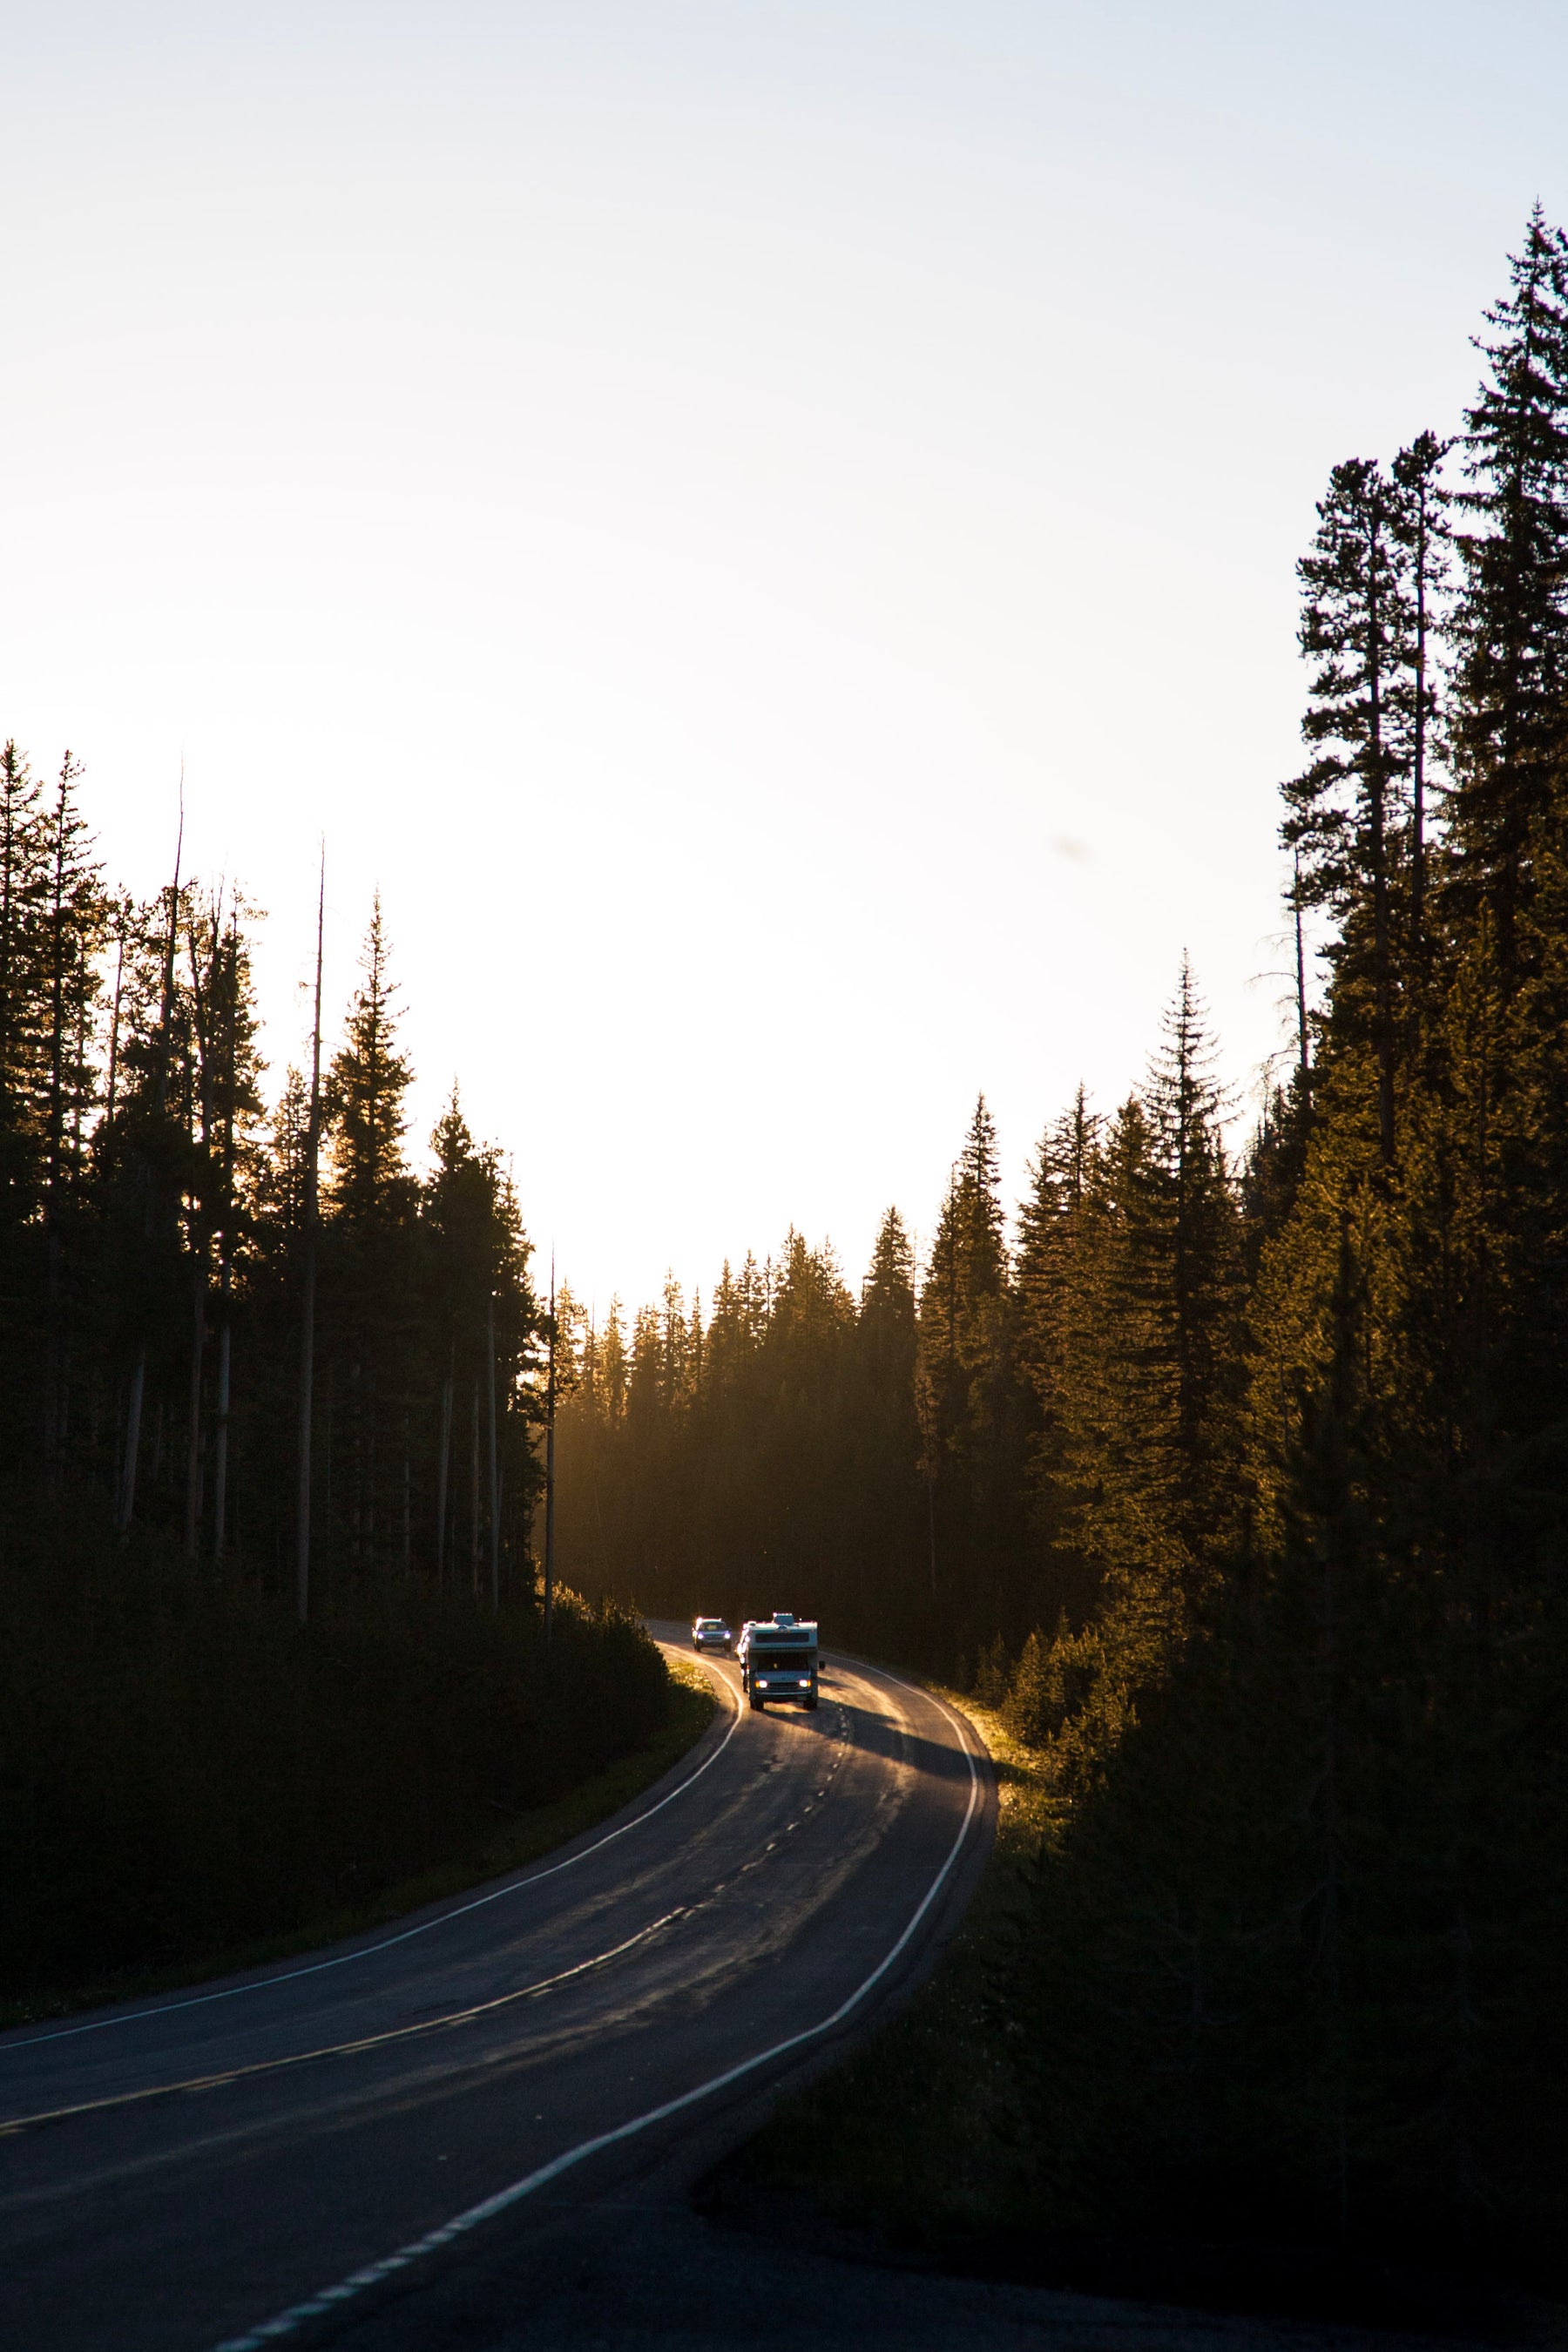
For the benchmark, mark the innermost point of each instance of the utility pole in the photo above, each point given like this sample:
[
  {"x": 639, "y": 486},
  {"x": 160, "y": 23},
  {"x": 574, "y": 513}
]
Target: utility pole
[
  {"x": 308, "y": 1298},
  {"x": 549, "y": 1466}
]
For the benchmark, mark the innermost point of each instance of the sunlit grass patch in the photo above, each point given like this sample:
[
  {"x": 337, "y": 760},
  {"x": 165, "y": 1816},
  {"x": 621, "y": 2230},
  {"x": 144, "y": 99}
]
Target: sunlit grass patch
[{"x": 920, "y": 2128}]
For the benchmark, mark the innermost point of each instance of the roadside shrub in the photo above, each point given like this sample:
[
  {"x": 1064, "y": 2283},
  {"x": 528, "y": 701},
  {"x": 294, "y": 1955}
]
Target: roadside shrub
[{"x": 183, "y": 1768}]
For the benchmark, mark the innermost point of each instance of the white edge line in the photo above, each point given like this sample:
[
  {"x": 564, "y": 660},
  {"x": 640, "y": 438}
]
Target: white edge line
[
  {"x": 338, "y": 2049},
  {"x": 368, "y": 1951},
  {"x": 329, "y": 2299}
]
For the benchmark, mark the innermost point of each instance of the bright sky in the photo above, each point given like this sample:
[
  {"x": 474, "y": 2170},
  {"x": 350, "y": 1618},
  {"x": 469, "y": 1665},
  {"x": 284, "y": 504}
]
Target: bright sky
[{"x": 765, "y": 526}]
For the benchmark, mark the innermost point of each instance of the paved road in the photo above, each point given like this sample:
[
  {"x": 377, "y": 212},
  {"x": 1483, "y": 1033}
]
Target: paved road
[{"x": 332, "y": 2144}]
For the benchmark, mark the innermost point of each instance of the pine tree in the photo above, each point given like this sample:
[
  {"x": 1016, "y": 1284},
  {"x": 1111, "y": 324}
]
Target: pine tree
[
  {"x": 1347, "y": 824},
  {"x": 479, "y": 1315},
  {"x": 23, "y": 887},
  {"x": 369, "y": 1252},
  {"x": 887, "y": 1318},
  {"x": 967, "y": 1394},
  {"x": 1201, "y": 1240},
  {"x": 1510, "y": 625},
  {"x": 614, "y": 1372},
  {"x": 1050, "y": 1223},
  {"x": 963, "y": 1300},
  {"x": 368, "y": 1081},
  {"x": 1420, "y": 518}
]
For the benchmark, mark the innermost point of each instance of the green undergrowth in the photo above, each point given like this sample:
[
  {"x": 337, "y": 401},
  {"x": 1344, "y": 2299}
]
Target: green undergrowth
[
  {"x": 689, "y": 1711},
  {"x": 190, "y": 1782},
  {"x": 916, "y": 2133}
]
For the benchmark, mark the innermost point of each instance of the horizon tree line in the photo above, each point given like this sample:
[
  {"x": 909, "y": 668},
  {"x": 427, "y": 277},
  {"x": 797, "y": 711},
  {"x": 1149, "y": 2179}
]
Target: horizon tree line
[
  {"x": 169, "y": 1246},
  {"x": 1239, "y": 1485}
]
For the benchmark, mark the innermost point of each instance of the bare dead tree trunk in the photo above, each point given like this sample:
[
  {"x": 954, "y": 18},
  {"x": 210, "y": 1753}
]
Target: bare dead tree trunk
[
  {"x": 308, "y": 1285},
  {"x": 407, "y": 1501},
  {"x": 329, "y": 1450},
  {"x": 54, "y": 1165},
  {"x": 114, "y": 1018},
  {"x": 194, "y": 1422},
  {"x": 1419, "y": 772},
  {"x": 204, "y": 1001},
  {"x": 81, "y": 1064},
  {"x": 441, "y": 1466},
  {"x": 220, "y": 1434},
  {"x": 494, "y": 1495},
  {"x": 1377, "y": 796},
  {"x": 225, "y": 1262},
  {"x": 357, "y": 1455},
  {"x": 1303, "y": 1063},
  {"x": 139, "y": 1370},
  {"x": 132, "y": 1441},
  {"x": 474, "y": 1494},
  {"x": 930, "y": 1526},
  {"x": 550, "y": 1470}
]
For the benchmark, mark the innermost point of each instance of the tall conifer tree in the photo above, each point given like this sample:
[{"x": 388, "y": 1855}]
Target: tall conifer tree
[{"x": 1510, "y": 714}]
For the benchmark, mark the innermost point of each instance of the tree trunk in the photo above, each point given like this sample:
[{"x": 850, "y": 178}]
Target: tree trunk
[
  {"x": 407, "y": 1501},
  {"x": 220, "y": 1434},
  {"x": 1419, "y": 775},
  {"x": 1377, "y": 794},
  {"x": 550, "y": 1470},
  {"x": 132, "y": 1440},
  {"x": 193, "y": 1417},
  {"x": 356, "y": 1496},
  {"x": 114, "y": 1019},
  {"x": 308, "y": 1296},
  {"x": 549, "y": 1518},
  {"x": 1302, "y": 1062},
  {"x": 226, "y": 1259},
  {"x": 494, "y": 1497},
  {"x": 51, "y": 1400},
  {"x": 474, "y": 1494},
  {"x": 331, "y": 1454},
  {"x": 441, "y": 1467},
  {"x": 931, "y": 1527}
]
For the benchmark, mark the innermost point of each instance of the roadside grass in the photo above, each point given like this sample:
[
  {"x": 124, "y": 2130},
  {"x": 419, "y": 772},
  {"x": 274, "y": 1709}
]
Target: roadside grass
[
  {"x": 918, "y": 2132},
  {"x": 689, "y": 1709}
]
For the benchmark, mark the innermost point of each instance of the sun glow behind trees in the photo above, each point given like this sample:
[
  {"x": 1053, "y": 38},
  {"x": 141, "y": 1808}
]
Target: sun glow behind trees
[
  {"x": 1241, "y": 1487},
  {"x": 780, "y": 517}
]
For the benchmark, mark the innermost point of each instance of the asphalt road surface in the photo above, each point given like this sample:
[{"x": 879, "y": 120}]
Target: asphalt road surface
[{"x": 343, "y": 2148}]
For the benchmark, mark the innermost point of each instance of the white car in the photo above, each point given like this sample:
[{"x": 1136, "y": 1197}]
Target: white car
[{"x": 710, "y": 1633}]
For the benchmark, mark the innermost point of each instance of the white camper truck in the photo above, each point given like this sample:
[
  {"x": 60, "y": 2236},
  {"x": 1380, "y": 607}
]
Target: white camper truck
[{"x": 778, "y": 1659}]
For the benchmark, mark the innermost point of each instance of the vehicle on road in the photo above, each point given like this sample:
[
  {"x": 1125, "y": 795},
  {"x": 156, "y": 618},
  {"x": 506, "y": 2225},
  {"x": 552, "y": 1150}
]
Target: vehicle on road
[
  {"x": 710, "y": 1633},
  {"x": 778, "y": 1658}
]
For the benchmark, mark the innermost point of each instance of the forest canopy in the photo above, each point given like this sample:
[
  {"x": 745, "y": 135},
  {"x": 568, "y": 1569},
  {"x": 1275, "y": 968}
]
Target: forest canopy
[
  {"x": 1239, "y": 1478},
  {"x": 274, "y": 1644},
  {"x": 162, "y": 1228},
  {"x": 1236, "y": 1478}
]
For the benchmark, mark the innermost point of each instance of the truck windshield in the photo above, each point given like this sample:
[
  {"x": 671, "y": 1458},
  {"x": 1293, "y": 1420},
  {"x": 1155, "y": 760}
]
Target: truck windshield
[{"x": 784, "y": 1662}]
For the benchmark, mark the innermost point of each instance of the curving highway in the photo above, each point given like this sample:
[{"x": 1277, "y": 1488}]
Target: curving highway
[{"x": 282, "y": 2157}]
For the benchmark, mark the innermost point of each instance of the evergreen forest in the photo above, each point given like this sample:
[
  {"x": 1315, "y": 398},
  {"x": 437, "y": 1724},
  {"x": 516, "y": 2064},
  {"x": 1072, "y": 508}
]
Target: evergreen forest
[
  {"x": 1236, "y": 1475},
  {"x": 274, "y": 1642}
]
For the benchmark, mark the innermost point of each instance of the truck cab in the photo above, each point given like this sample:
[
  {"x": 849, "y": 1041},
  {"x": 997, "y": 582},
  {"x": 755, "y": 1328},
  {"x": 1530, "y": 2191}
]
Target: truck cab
[{"x": 778, "y": 1657}]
